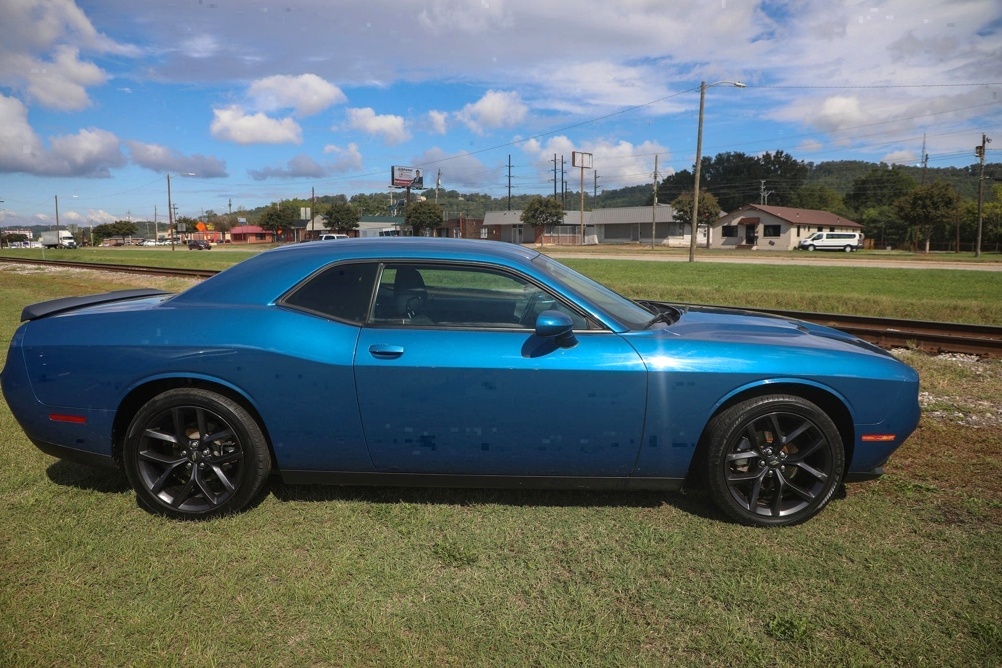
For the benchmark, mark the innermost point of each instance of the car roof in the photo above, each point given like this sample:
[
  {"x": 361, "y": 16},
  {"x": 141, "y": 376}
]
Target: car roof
[{"x": 264, "y": 277}]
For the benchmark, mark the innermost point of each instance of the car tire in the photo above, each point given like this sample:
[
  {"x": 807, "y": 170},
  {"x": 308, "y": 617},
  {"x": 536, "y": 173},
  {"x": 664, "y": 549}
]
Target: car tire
[
  {"x": 774, "y": 460},
  {"x": 193, "y": 454},
  {"x": 848, "y": 249},
  {"x": 810, "y": 247}
]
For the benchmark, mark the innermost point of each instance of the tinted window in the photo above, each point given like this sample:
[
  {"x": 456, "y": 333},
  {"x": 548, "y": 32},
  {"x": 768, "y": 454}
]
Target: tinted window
[
  {"x": 452, "y": 296},
  {"x": 619, "y": 307},
  {"x": 343, "y": 292}
]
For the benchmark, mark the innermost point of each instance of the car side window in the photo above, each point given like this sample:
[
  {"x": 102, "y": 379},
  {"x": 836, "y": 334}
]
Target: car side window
[
  {"x": 342, "y": 292},
  {"x": 447, "y": 296}
]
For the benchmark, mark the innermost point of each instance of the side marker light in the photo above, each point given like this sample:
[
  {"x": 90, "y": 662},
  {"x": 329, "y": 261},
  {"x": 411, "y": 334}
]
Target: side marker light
[
  {"x": 75, "y": 419},
  {"x": 878, "y": 438}
]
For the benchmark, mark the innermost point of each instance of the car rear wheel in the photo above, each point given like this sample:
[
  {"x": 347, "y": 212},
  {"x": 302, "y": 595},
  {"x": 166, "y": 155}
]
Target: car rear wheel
[
  {"x": 192, "y": 453},
  {"x": 848, "y": 249},
  {"x": 773, "y": 460}
]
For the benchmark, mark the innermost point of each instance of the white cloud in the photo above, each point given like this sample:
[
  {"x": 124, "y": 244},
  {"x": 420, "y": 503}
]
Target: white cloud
[
  {"x": 232, "y": 124},
  {"x": 459, "y": 170},
  {"x": 903, "y": 157},
  {"x": 90, "y": 152},
  {"x": 300, "y": 167},
  {"x": 307, "y": 94},
  {"x": 620, "y": 163},
  {"x": 40, "y": 52},
  {"x": 496, "y": 109},
  {"x": 599, "y": 86},
  {"x": 438, "y": 121},
  {"x": 200, "y": 46},
  {"x": 162, "y": 159},
  {"x": 346, "y": 160},
  {"x": 391, "y": 128}
]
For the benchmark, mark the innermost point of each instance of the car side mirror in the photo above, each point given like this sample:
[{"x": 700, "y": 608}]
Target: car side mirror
[{"x": 557, "y": 326}]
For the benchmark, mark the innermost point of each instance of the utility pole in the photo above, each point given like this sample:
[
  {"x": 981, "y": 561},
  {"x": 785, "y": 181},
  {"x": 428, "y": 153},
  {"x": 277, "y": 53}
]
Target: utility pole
[
  {"x": 980, "y": 152},
  {"x": 563, "y": 184},
  {"x": 554, "y": 176},
  {"x": 595, "y": 189},
  {"x": 170, "y": 214},
  {"x": 763, "y": 194},
  {"x": 654, "y": 209},
  {"x": 584, "y": 161},
  {"x": 925, "y": 159},
  {"x": 509, "y": 181}
]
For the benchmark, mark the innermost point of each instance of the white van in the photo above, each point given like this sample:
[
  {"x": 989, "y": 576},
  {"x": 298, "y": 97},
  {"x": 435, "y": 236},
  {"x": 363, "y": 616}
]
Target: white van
[
  {"x": 332, "y": 237},
  {"x": 844, "y": 241}
]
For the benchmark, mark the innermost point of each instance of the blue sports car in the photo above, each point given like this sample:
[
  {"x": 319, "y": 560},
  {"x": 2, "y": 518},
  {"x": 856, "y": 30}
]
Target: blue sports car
[{"x": 446, "y": 362}]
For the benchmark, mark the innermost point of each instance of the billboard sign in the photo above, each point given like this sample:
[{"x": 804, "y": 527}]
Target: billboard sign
[{"x": 406, "y": 177}]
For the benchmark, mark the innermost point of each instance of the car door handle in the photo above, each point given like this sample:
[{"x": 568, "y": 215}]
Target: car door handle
[{"x": 385, "y": 351}]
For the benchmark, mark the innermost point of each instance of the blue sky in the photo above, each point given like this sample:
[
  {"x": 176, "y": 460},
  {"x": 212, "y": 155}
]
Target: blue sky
[{"x": 100, "y": 100}]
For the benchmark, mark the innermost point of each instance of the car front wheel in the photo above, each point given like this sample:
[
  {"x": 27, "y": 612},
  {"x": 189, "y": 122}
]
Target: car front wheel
[
  {"x": 192, "y": 453},
  {"x": 774, "y": 460},
  {"x": 810, "y": 247}
]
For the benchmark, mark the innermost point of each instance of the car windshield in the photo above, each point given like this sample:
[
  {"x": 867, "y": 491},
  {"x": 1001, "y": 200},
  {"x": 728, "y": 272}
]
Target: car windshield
[{"x": 626, "y": 312}]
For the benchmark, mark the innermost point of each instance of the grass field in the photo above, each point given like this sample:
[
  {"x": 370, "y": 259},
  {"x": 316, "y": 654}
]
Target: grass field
[
  {"x": 903, "y": 571},
  {"x": 858, "y": 289}
]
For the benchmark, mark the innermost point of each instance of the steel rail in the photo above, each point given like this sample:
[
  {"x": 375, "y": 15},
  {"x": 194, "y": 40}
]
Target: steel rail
[
  {"x": 952, "y": 337},
  {"x": 981, "y": 340},
  {"x": 123, "y": 268}
]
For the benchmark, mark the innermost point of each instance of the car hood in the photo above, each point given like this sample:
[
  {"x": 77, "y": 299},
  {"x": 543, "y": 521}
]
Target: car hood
[{"x": 709, "y": 323}]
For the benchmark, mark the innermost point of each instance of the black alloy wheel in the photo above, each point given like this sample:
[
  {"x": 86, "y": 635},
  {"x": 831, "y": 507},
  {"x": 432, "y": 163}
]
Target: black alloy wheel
[
  {"x": 191, "y": 453},
  {"x": 774, "y": 460}
]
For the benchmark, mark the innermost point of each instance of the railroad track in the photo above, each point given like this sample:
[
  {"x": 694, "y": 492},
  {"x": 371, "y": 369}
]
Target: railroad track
[
  {"x": 122, "y": 268},
  {"x": 936, "y": 337}
]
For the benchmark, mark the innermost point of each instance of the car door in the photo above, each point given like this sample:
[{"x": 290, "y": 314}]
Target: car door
[{"x": 451, "y": 379}]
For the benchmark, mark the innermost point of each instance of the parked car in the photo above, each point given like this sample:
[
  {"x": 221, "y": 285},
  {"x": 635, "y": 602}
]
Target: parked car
[
  {"x": 844, "y": 241},
  {"x": 332, "y": 237},
  {"x": 453, "y": 363},
  {"x": 198, "y": 244}
]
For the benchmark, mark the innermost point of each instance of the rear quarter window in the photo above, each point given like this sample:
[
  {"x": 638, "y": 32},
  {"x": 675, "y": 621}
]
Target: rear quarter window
[{"x": 342, "y": 292}]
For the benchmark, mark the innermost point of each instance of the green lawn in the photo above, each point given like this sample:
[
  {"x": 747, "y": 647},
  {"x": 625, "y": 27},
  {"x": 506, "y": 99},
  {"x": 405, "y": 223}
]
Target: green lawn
[
  {"x": 922, "y": 294},
  {"x": 860, "y": 289},
  {"x": 903, "y": 571}
]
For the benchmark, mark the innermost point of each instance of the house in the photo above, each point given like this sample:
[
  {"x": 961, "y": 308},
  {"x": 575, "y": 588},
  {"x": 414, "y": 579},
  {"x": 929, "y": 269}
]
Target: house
[
  {"x": 622, "y": 225},
  {"x": 762, "y": 227},
  {"x": 251, "y": 234}
]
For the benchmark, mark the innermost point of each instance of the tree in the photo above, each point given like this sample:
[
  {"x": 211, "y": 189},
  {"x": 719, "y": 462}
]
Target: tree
[
  {"x": 370, "y": 205},
  {"x": 882, "y": 224},
  {"x": 879, "y": 187},
  {"x": 8, "y": 238},
  {"x": 991, "y": 217},
  {"x": 818, "y": 198},
  {"x": 223, "y": 224},
  {"x": 927, "y": 207},
  {"x": 423, "y": 216},
  {"x": 341, "y": 217},
  {"x": 540, "y": 212},
  {"x": 279, "y": 217},
  {"x": 709, "y": 209},
  {"x": 120, "y": 228},
  {"x": 736, "y": 179}
]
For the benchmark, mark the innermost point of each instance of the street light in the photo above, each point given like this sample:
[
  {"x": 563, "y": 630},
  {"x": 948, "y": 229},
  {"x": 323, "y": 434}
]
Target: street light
[
  {"x": 170, "y": 208},
  {"x": 699, "y": 158}
]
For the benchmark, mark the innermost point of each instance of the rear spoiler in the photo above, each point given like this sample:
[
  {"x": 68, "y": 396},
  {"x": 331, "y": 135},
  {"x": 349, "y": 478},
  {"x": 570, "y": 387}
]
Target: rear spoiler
[{"x": 42, "y": 309}]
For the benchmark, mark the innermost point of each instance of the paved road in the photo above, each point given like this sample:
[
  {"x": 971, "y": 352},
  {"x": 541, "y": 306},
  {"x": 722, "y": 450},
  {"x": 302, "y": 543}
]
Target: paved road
[{"x": 835, "y": 260}]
